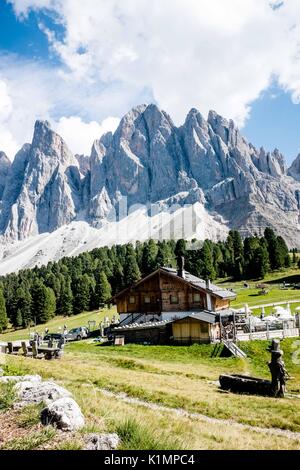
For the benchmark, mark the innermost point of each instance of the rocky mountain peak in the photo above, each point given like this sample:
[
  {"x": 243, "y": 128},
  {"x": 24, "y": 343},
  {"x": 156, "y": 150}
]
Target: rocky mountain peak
[
  {"x": 5, "y": 165},
  {"x": 150, "y": 160},
  {"x": 47, "y": 143},
  {"x": 294, "y": 170}
]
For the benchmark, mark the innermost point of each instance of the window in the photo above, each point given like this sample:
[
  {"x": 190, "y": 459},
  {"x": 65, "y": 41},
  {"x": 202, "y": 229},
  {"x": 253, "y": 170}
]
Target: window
[
  {"x": 132, "y": 300},
  {"x": 174, "y": 299},
  {"x": 147, "y": 300},
  {"x": 197, "y": 298}
]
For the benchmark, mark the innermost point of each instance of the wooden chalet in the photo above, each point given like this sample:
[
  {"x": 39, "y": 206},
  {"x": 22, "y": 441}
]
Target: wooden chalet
[{"x": 172, "y": 304}]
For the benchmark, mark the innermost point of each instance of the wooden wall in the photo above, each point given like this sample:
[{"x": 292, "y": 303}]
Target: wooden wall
[
  {"x": 185, "y": 294},
  {"x": 160, "y": 288},
  {"x": 220, "y": 304},
  {"x": 189, "y": 331}
]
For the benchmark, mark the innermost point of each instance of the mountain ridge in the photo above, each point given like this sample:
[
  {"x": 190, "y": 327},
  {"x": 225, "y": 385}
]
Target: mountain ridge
[{"x": 150, "y": 161}]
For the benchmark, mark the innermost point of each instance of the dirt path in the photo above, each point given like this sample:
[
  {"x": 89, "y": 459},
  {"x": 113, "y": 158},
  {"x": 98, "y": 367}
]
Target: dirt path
[{"x": 197, "y": 416}]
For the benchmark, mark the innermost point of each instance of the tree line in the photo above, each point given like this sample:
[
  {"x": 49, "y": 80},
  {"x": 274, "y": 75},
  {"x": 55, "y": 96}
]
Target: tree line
[{"x": 88, "y": 281}]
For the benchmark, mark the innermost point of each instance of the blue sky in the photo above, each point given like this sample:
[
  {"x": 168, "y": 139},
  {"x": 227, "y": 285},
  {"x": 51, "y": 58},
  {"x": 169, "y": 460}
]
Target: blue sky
[{"x": 84, "y": 73}]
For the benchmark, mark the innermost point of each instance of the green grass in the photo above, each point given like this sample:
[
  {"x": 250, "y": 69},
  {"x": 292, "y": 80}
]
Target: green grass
[
  {"x": 31, "y": 441},
  {"x": 7, "y": 396},
  {"x": 56, "y": 325},
  {"x": 30, "y": 416},
  {"x": 274, "y": 280},
  {"x": 175, "y": 377},
  {"x": 135, "y": 436}
]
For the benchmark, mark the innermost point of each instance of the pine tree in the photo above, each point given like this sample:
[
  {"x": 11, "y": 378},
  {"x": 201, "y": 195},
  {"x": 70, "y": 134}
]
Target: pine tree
[
  {"x": 82, "y": 291},
  {"x": 66, "y": 298},
  {"x": 208, "y": 270},
  {"x": 273, "y": 249},
  {"x": 3, "y": 315},
  {"x": 132, "y": 272},
  {"x": 102, "y": 290},
  {"x": 19, "y": 319},
  {"x": 43, "y": 302},
  {"x": 23, "y": 304},
  {"x": 237, "y": 253},
  {"x": 180, "y": 250},
  {"x": 283, "y": 251},
  {"x": 165, "y": 257},
  {"x": 149, "y": 256}
]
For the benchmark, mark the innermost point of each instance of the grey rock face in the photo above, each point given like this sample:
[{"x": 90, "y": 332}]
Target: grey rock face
[
  {"x": 43, "y": 188},
  {"x": 150, "y": 160},
  {"x": 64, "y": 414},
  {"x": 84, "y": 164},
  {"x": 5, "y": 165},
  {"x": 101, "y": 442},
  {"x": 294, "y": 171}
]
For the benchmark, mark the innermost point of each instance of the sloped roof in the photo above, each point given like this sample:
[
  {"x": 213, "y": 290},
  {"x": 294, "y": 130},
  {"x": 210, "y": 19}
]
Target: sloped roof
[
  {"x": 188, "y": 278},
  {"x": 205, "y": 316},
  {"x": 197, "y": 282},
  {"x": 141, "y": 326}
]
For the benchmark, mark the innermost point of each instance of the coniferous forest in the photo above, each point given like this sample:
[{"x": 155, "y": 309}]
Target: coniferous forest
[{"x": 84, "y": 283}]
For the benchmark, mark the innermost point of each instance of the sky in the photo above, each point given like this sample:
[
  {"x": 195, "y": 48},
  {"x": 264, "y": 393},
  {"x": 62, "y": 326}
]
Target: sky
[{"x": 83, "y": 67}]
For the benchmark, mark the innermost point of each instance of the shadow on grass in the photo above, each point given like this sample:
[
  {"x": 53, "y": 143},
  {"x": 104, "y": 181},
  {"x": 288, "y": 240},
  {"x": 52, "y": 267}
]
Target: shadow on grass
[{"x": 288, "y": 280}]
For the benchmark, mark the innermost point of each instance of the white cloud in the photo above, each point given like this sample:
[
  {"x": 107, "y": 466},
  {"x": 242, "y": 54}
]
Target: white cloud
[
  {"x": 209, "y": 54},
  {"x": 7, "y": 142},
  {"x": 206, "y": 53},
  {"x": 79, "y": 135}
]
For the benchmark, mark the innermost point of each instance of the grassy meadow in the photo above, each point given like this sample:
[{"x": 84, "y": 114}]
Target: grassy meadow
[
  {"x": 182, "y": 378},
  {"x": 164, "y": 397}
]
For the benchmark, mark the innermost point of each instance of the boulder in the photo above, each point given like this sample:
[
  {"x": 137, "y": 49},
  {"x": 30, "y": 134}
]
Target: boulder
[
  {"x": 29, "y": 393},
  {"x": 32, "y": 379},
  {"x": 101, "y": 442},
  {"x": 64, "y": 414}
]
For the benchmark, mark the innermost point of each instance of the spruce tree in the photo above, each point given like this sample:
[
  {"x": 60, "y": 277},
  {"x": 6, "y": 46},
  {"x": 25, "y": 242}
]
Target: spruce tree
[
  {"x": 149, "y": 255},
  {"x": 66, "y": 298},
  {"x": 19, "y": 319},
  {"x": 43, "y": 302},
  {"x": 82, "y": 290},
  {"x": 102, "y": 290},
  {"x": 273, "y": 249},
  {"x": 132, "y": 272},
  {"x": 3, "y": 315},
  {"x": 23, "y": 304},
  {"x": 208, "y": 270}
]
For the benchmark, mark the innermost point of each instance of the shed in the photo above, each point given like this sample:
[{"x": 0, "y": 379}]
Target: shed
[{"x": 198, "y": 328}]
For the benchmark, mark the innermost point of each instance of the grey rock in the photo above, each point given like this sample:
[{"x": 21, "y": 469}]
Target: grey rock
[
  {"x": 64, "y": 414},
  {"x": 84, "y": 162},
  {"x": 29, "y": 392},
  {"x": 101, "y": 442}
]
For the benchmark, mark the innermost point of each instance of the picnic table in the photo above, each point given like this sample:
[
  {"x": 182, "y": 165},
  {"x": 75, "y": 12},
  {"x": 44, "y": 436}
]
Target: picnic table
[
  {"x": 48, "y": 352},
  {"x": 13, "y": 347}
]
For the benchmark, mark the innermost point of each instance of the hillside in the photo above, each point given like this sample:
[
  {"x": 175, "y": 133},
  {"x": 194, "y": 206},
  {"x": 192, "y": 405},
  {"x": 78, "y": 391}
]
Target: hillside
[
  {"x": 148, "y": 179},
  {"x": 163, "y": 398}
]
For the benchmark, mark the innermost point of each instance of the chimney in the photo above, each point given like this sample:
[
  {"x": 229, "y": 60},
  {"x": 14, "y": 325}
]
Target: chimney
[
  {"x": 181, "y": 265},
  {"x": 208, "y": 284}
]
